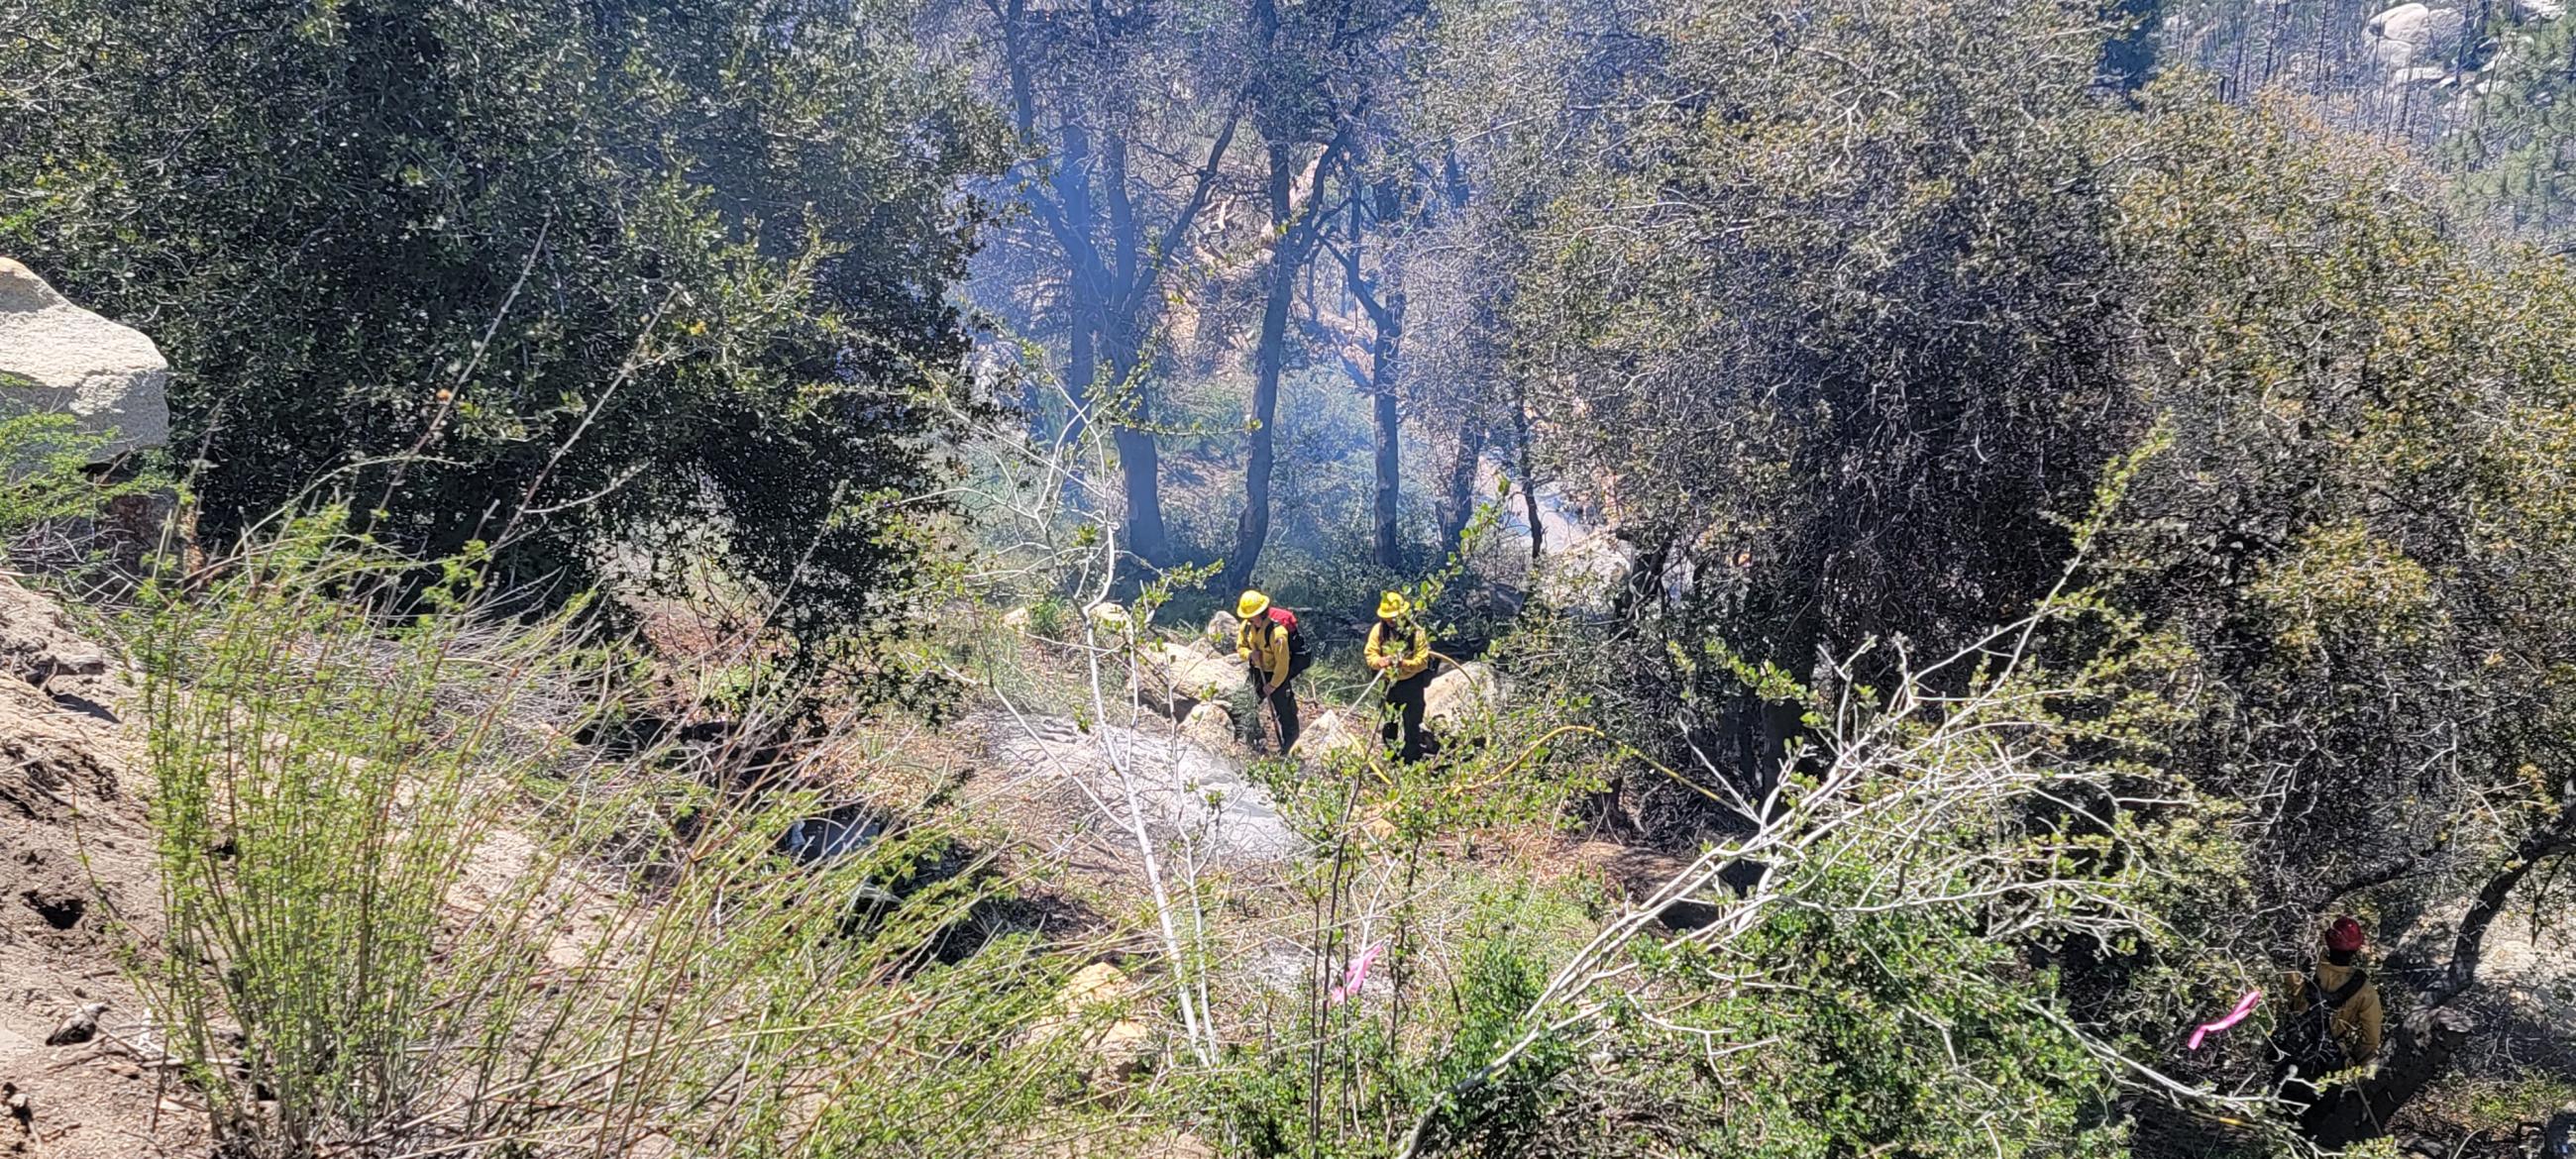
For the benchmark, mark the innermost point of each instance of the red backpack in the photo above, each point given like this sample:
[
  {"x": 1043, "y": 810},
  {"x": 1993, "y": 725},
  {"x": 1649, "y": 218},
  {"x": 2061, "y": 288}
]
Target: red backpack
[{"x": 1283, "y": 618}]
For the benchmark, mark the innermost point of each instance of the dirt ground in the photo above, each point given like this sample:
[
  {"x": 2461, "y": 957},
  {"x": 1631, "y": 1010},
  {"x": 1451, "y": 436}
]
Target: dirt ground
[{"x": 76, "y": 883}]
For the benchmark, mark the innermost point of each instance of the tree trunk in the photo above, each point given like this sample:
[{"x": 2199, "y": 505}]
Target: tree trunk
[
  {"x": 1390, "y": 553},
  {"x": 1459, "y": 507},
  {"x": 1385, "y": 311},
  {"x": 1252, "y": 530},
  {"x": 1529, "y": 478},
  {"x": 1081, "y": 362},
  {"x": 2429, "y": 1037},
  {"x": 1140, "y": 467},
  {"x": 1123, "y": 330},
  {"x": 2554, "y": 840},
  {"x": 1073, "y": 192}
]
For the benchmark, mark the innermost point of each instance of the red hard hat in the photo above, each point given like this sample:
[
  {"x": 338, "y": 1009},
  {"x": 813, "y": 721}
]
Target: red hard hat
[{"x": 2344, "y": 936}]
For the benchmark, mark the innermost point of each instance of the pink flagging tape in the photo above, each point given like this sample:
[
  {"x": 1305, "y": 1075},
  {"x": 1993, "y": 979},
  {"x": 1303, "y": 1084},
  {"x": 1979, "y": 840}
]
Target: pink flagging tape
[
  {"x": 2244, "y": 1006},
  {"x": 1358, "y": 973}
]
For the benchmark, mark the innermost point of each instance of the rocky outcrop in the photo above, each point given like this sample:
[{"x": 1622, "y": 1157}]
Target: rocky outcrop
[{"x": 56, "y": 358}]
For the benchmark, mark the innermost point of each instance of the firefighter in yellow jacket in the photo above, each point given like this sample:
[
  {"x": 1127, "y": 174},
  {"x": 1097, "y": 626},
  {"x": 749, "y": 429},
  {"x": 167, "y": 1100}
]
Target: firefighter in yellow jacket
[
  {"x": 2332, "y": 1023},
  {"x": 1399, "y": 649},
  {"x": 1271, "y": 644}
]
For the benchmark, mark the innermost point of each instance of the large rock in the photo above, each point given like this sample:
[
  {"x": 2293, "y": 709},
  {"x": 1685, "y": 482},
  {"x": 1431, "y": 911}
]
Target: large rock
[
  {"x": 1585, "y": 575},
  {"x": 1192, "y": 802},
  {"x": 2415, "y": 34},
  {"x": 1180, "y": 677},
  {"x": 56, "y": 358},
  {"x": 1466, "y": 692}
]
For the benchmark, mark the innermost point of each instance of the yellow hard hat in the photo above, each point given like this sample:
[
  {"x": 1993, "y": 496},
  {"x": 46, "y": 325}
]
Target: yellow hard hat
[
  {"x": 1252, "y": 604},
  {"x": 1391, "y": 605}
]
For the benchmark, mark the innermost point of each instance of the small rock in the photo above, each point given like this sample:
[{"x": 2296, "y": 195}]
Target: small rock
[
  {"x": 1222, "y": 630},
  {"x": 1109, "y": 615},
  {"x": 59, "y": 908},
  {"x": 1331, "y": 735},
  {"x": 1097, "y": 984},
  {"x": 41, "y": 645},
  {"x": 1467, "y": 691},
  {"x": 1124, "y": 1047},
  {"x": 1211, "y": 725},
  {"x": 79, "y": 1028},
  {"x": 1017, "y": 619}
]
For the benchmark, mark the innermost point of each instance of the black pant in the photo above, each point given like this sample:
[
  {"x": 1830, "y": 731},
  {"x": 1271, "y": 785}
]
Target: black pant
[
  {"x": 1405, "y": 697},
  {"x": 1283, "y": 706}
]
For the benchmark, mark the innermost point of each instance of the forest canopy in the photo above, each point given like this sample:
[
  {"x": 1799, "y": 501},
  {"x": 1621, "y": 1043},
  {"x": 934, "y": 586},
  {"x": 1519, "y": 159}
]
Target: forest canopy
[{"x": 579, "y": 282}]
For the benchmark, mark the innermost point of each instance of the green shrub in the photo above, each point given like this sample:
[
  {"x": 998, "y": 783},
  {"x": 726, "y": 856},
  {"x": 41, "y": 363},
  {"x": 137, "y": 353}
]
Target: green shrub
[
  {"x": 49, "y": 485},
  {"x": 407, "y": 911},
  {"x": 1357, "y": 1079}
]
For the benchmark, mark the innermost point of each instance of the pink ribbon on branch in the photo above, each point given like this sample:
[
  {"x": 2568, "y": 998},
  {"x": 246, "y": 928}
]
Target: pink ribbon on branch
[
  {"x": 2244, "y": 1006},
  {"x": 1356, "y": 974}
]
